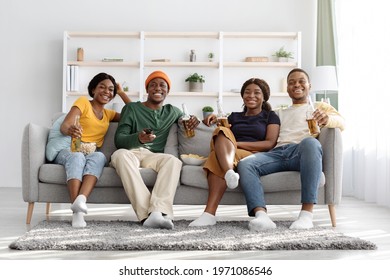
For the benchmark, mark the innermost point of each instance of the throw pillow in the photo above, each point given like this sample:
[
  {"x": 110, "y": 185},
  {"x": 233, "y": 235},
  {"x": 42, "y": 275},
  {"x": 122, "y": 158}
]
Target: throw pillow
[
  {"x": 56, "y": 140},
  {"x": 171, "y": 147},
  {"x": 199, "y": 144}
]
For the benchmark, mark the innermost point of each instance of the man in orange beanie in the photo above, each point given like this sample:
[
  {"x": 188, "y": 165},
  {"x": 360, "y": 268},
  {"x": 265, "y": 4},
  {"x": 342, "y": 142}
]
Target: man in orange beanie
[
  {"x": 158, "y": 74},
  {"x": 140, "y": 138}
]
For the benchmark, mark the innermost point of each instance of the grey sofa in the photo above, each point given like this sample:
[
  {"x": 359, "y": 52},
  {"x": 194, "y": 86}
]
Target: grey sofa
[{"x": 43, "y": 181}]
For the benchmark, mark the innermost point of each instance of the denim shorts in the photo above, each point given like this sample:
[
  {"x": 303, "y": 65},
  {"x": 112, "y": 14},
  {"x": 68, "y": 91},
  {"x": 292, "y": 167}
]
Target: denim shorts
[{"x": 77, "y": 165}]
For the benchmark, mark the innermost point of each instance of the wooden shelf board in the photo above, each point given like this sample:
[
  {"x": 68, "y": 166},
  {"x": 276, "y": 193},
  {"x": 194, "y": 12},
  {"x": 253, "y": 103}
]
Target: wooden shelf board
[
  {"x": 101, "y": 63},
  {"x": 105, "y": 34},
  {"x": 238, "y": 94},
  {"x": 291, "y": 35},
  {"x": 211, "y": 35},
  {"x": 79, "y": 93},
  {"x": 182, "y": 64},
  {"x": 260, "y": 64},
  {"x": 192, "y": 94}
]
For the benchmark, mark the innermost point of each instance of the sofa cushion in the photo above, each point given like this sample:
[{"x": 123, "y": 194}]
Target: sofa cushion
[
  {"x": 199, "y": 144},
  {"x": 285, "y": 181},
  {"x": 194, "y": 176}
]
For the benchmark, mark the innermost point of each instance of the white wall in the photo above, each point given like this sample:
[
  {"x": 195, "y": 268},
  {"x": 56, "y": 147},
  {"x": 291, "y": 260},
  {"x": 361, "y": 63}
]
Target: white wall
[{"x": 31, "y": 47}]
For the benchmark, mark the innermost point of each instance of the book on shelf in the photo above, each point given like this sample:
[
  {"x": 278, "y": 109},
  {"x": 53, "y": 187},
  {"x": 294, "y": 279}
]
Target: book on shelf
[
  {"x": 256, "y": 59},
  {"x": 109, "y": 59},
  {"x": 67, "y": 77},
  {"x": 72, "y": 78},
  {"x": 161, "y": 60}
]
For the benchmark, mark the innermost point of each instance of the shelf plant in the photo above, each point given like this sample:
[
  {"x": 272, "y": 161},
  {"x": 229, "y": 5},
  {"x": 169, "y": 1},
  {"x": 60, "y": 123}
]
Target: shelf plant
[
  {"x": 207, "y": 109},
  {"x": 211, "y": 56},
  {"x": 282, "y": 54},
  {"x": 195, "y": 78},
  {"x": 195, "y": 82}
]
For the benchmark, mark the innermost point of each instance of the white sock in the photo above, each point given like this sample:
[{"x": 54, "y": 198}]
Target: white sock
[
  {"x": 80, "y": 205},
  {"x": 261, "y": 222},
  {"x": 304, "y": 221},
  {"x": 231, "y": 179},
  {"x": 206, "y": 219},
  {"x": 157, "y": 220},
  {"x": 78, "y": 220}
]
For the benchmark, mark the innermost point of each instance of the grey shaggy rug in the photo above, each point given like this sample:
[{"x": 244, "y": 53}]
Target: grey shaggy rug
[{"x": 229, "y": 235}]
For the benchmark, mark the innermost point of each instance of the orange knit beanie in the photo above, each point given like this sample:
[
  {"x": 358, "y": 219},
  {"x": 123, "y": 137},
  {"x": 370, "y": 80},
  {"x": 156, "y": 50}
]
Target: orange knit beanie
[{"x": 158, "y": 74}]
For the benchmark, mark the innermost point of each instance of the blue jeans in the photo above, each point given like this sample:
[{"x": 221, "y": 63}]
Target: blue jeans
[
  {"x": 77, "y": 165},
  {"x": 305, "y": 157}
]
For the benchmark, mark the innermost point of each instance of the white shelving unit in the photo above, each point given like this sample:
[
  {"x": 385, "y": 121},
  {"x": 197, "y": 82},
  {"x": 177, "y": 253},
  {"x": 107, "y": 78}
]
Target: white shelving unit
[{"x": 224, "y": 76}]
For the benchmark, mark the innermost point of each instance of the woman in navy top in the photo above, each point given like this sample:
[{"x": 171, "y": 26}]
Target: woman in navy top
[{"x": 255, "y": 129}]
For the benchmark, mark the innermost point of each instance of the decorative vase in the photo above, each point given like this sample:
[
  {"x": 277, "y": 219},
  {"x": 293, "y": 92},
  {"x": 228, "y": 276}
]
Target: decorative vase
[
  {"x": 192, "y": 56},
  {"x": 283, "y": 59},
  {"x": 195, "y": 86},
  {"x": 80, "y": 54}
]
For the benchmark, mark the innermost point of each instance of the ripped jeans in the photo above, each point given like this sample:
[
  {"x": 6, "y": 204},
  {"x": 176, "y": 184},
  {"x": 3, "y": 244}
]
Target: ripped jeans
[{"x": 77, "y": 165}]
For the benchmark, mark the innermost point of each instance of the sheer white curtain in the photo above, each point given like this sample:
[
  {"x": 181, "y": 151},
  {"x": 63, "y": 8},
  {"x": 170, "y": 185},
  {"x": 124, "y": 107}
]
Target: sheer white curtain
[{"x": 363, "y": 29}]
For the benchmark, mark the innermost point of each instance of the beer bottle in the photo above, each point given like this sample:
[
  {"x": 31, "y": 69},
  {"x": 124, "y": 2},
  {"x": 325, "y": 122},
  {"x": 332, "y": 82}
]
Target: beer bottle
[
  {"x": 186, "y": 118},
  {"x": 221, "y": 116},
  {"x": 186, "y": 115},
  {"x": 76, "y": 141},
  {"x": 311, "y": 122}
]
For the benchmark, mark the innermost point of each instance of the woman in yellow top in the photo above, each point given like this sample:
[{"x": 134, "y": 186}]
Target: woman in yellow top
[{"x": 83, "y": 170}]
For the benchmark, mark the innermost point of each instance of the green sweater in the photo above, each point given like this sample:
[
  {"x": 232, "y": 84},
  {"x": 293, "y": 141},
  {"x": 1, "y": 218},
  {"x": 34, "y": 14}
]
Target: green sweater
[{"x": 135, "y": 117}]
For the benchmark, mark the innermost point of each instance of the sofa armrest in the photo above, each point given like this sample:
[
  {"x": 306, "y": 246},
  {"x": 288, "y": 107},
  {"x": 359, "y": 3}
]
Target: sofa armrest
[
  {"x": 332, "y": 160},
  {"x": 33, "y": 156}
]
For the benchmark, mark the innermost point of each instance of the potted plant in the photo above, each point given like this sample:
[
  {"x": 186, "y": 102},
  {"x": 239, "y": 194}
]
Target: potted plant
[
  {"x": 125, "y": 86},
  {"x": 195, "y": 82},
  {"x": 207, "y": 110},
  {"x": 211, "y": 56},
  {"x": 283, "y": 55}
]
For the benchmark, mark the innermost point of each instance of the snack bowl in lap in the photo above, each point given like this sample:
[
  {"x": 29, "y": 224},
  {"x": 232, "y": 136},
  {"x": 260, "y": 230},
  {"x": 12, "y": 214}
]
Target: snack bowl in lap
[
  {"x": 192, "y": 159},
  {"x": 87, "y": 147}
]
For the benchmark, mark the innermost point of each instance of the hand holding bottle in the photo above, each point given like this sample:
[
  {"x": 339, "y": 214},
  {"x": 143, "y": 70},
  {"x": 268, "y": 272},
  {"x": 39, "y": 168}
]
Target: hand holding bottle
[
  {"x": 321, "y": 117},
  {"x": 210, "y": 119},
  {"x": 222, "y": 119},
  {"x": 76, "y": 131},
  {"x": 189, "y": 122},
  {"x": 311, "y": 121}
]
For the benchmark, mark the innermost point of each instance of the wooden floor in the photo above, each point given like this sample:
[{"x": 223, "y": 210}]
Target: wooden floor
[{"x": 354, "y": 218}]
